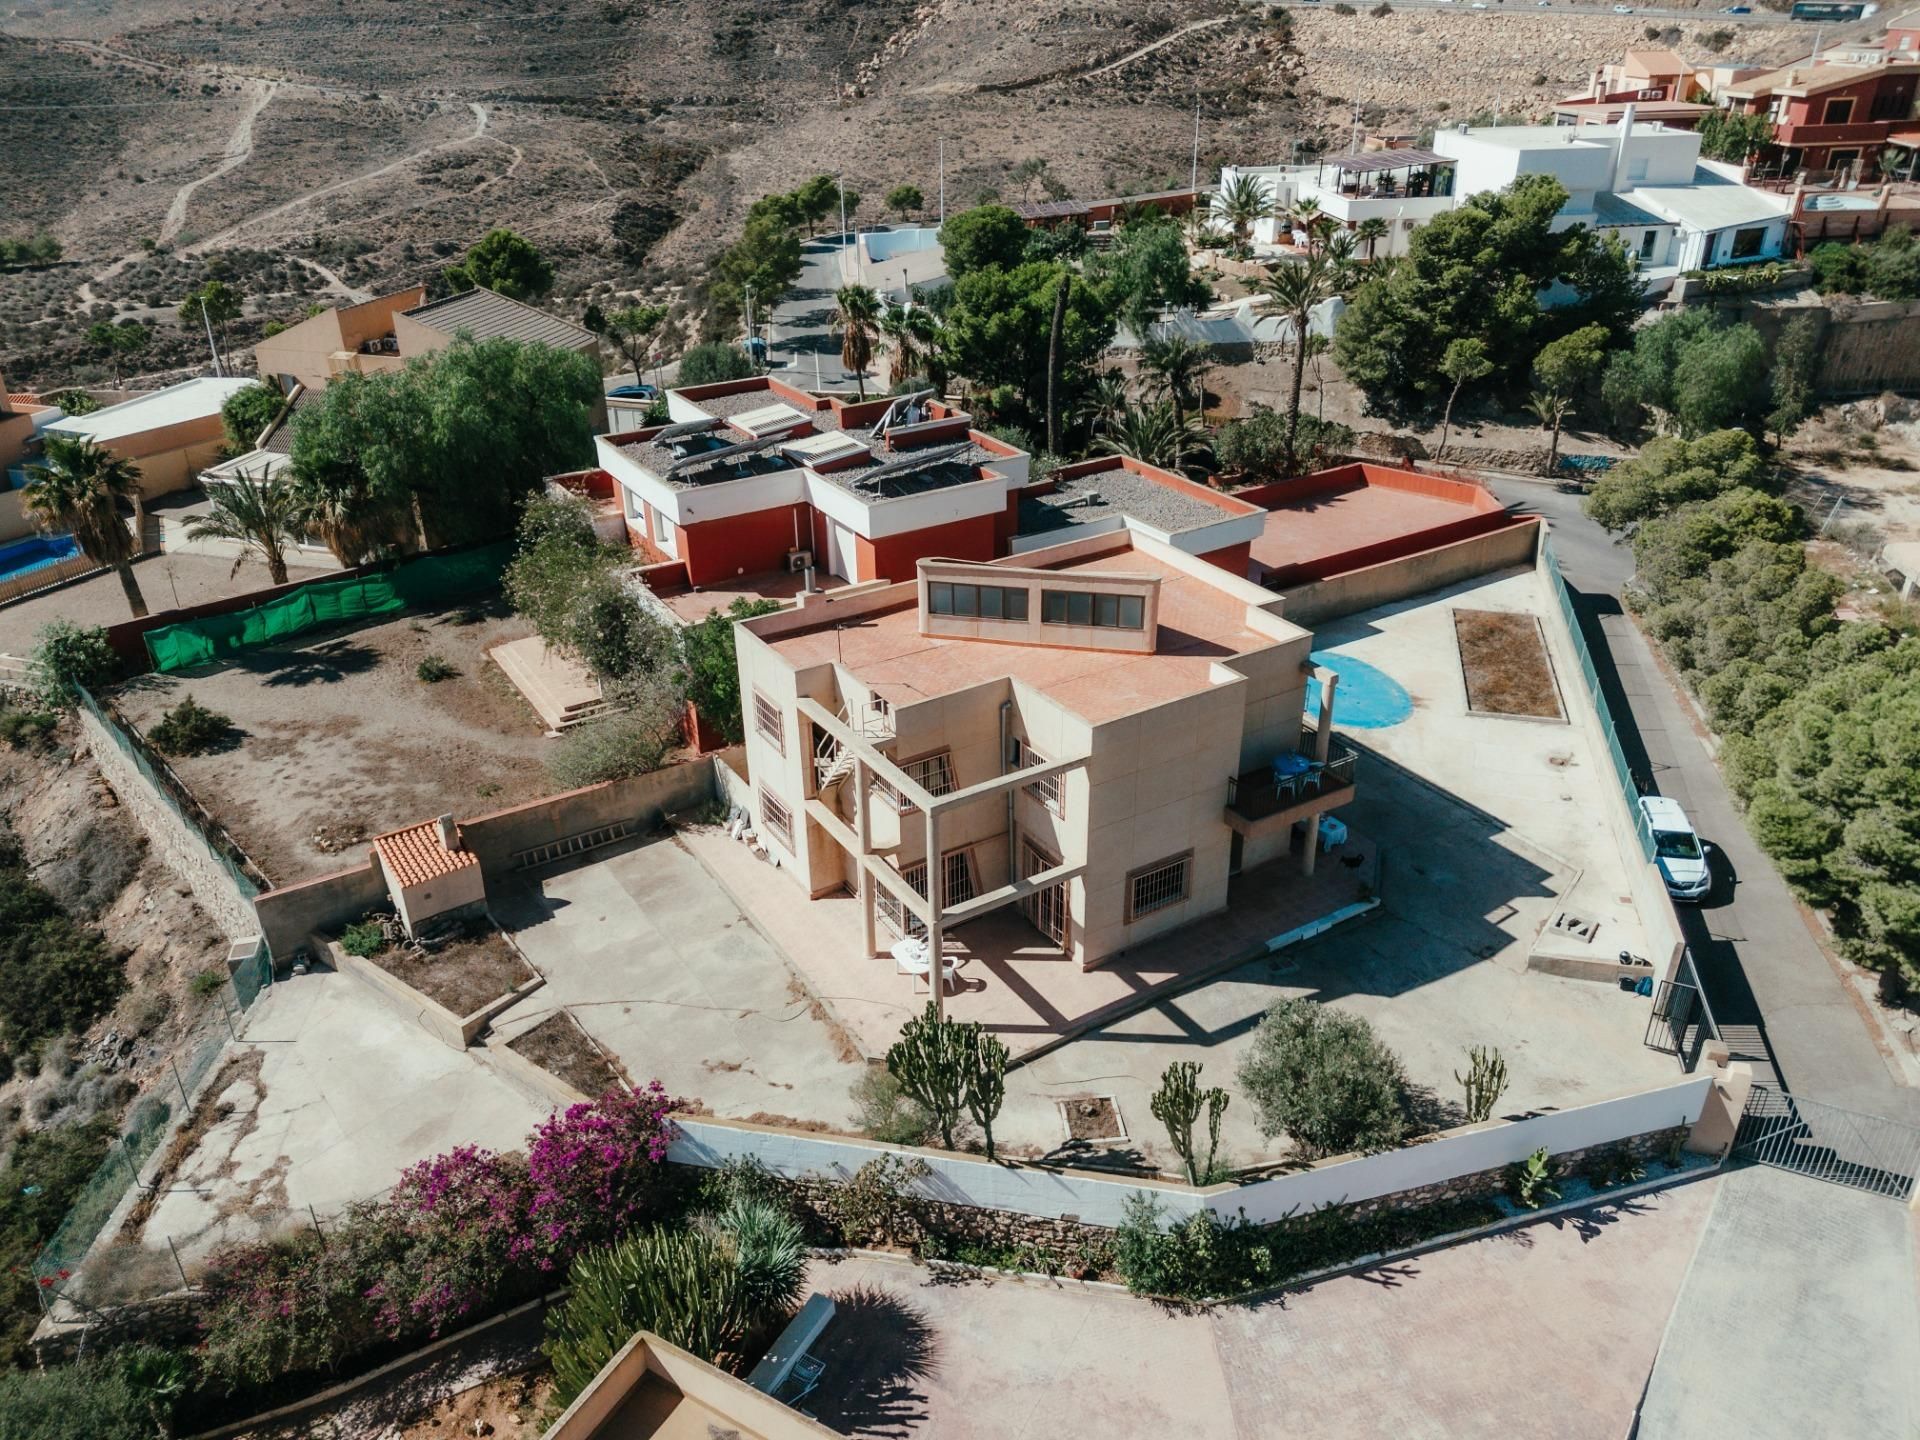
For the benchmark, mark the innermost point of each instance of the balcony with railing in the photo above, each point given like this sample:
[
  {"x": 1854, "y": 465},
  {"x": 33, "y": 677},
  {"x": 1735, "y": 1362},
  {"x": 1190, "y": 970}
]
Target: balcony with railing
[{"x": 1264, "y": 800}]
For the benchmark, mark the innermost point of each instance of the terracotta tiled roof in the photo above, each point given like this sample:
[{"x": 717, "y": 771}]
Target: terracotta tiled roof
[{"x": 415, "y": 855}]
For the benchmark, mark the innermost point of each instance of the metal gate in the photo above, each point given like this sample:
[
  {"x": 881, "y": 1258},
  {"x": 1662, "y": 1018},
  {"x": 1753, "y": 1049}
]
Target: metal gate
[
  {"x": 1682, "y": 1021},
  {"x": 1846, "y": 1147}
]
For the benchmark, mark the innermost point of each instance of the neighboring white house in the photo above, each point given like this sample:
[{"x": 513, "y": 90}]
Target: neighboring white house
[
  {"x": 1401, "y": 187},
  {"x": 1644, "y": 183}
]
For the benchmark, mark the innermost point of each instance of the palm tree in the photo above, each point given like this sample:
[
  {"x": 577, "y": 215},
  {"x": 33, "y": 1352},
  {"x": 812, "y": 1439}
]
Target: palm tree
[
  {"x": 1370, "y": 232},
  {"x": 912, "y": 329},
  {"x": 262, "y": 515},
  {"x": 1301, "y": 215},
  {"x": 1296, "y": 289},
  {"x": 1154, "y": 435},
  {"x": 1179, "y": 370},
  {"x": 79, "y": 490},
  {"x": 1241, "y": 202},
  {"x": 1105, "y": 401},
  {"x": 856, "y": 316},
  {"x": 336, "y": 504},
  {"x": 1552, "y": 412}
]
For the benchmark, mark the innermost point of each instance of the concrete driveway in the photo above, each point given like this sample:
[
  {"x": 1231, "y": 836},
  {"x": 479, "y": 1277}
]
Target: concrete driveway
[
  {"x": 1547, "y": 1331},
  {"x": 1798, "y": 1317},
  {"x": 661, "y": 968}
]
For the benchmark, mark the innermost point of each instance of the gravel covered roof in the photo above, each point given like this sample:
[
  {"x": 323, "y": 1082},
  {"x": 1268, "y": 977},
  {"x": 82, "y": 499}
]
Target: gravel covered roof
[{"x": 1084, "y": 498}]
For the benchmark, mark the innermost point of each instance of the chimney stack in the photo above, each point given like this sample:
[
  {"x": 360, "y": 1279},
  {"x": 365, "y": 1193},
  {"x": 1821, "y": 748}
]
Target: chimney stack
[
  {"x": 1620, "y": 149},
  {"x": 449, "y": 834}
]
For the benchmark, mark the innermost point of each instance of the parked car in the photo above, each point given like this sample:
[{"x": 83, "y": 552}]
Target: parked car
[
  {"x": 1623, "y": 9},
  {"x": 1677, "y": 850},
  {"x": 633, "y": 392},
  {"x": 1738, "y": 10}
]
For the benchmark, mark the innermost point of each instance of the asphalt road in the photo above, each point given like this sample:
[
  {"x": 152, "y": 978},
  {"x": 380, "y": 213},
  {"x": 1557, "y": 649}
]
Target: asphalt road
[
  {"x": 1719, "y": 16},
  {"x": 1778, "y": 1000},
  {"x": 801, "y": 345}
]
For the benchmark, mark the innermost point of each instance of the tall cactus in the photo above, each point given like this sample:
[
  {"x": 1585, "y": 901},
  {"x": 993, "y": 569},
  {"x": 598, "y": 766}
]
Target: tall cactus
[
  {"x": 986, "y": 1079},
  {"x": 933, "y": 1060},
  {"x": 1485, "y": 1082},
  {"x": 1177, "y": 1105}
]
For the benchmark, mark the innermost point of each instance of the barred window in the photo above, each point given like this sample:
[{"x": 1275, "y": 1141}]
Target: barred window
[
  {"x": 1161, "y": 884},
  {"x": 932, "y": 773},
  {"x": 901, "y": 920},
  {"x": 958, "y": 865},
  {"x": 775, "y": 816},
  {"x": 766, "y": 719},
  {"x": 1049, "y": 791},
  {"x": 1084, "y": 607}
]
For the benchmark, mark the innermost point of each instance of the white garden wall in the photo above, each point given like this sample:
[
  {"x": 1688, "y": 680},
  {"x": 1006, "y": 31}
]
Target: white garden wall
[{"x": 1098, "y": 1200}]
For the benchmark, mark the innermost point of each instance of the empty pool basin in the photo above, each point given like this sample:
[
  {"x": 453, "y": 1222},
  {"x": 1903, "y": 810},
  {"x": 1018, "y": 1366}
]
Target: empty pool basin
[{"x": 1367, "y": 698}]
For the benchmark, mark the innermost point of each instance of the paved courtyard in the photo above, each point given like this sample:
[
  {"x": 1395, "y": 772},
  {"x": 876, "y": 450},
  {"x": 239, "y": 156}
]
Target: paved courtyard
[
  {"x": 167, "y": 580},
  {"x": 1798, "y": 1317},
  {"x": 657, "y": 964},
  {"x": 1546, "y": 1331},
  {"x": 349, "y": 1093}
]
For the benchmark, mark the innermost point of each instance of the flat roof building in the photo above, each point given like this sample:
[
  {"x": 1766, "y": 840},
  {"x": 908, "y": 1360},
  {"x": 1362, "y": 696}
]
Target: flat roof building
[
  {"x": 755, "y": 481},
  {"x": 1087, "y": 732}
]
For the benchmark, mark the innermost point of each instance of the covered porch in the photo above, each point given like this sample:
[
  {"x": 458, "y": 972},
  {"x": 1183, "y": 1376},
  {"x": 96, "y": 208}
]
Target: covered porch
[{"x": 1018, "y": 983}]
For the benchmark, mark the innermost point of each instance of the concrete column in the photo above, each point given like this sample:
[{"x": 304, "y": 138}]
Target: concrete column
[
  {"x": 936, "y": 937},
  {"x": 1323, "y": 734},
  {"x": 869, "y": 917},
  {"x": 1312, "y": 853},
  {"x": 862, "y": 811}
]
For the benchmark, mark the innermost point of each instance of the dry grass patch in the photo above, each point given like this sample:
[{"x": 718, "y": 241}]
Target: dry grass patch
[
  {"x": 1504, "y": 658},
  {"x": 560, "y": 1047}
]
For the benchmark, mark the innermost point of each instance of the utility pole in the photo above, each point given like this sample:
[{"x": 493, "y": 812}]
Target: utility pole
[
  {"x": 207, "y": 320},
  {"x": 749, "y": 345},
  {"x": 840, "y": 181},
  {"x": 1193, "y": 179},
  {"x": 943, "y": 181}
]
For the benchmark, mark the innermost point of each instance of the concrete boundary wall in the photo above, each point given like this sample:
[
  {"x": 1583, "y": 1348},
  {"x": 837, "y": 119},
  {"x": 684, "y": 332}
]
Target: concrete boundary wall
[
  {"x": 1397, "y": 579},
  {"x": 1650, "y": 899},
  {"x": 288, "y": 914},
  {"x": 1092, "y": 1199}
]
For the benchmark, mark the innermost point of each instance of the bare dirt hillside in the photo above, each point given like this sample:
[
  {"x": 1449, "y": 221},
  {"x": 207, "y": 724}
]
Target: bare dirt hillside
[{"x": 309, "y": 151}]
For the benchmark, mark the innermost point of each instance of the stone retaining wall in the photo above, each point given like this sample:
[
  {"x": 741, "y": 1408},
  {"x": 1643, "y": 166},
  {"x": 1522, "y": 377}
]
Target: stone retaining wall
[{"x": 176, "y": 843}]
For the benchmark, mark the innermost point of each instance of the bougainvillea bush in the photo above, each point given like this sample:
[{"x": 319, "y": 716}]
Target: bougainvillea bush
[
  {"x": 461, "y": 1235},
  {"x": 596, "y": 1171}
]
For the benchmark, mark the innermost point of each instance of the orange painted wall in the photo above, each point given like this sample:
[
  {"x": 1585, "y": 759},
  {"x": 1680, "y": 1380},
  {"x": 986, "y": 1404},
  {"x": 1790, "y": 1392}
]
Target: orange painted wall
[
  {"x": 716, "y": 550},
  {"x": 893, "y": 558},
  {"x": 1234, "y": 559}
]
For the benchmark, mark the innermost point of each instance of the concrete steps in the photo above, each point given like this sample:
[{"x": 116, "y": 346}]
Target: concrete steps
[{"x": 560, "y": 690}]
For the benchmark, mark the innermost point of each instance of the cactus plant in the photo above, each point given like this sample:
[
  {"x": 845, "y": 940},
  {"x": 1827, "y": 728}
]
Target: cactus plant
[
  {"x": 1485, "y": 1082},
  {"x": 1177, "y": 1105},
  {"x": 932, "y": 1060},
  {"x": 986, "y": 1079}
]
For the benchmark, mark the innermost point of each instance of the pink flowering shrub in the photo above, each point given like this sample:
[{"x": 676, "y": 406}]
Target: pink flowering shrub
[
  {"x": 461, "y": 1234},
  {"x": 464, "y": 1218},
  {"x": 294, "y": 1304},
  {"x": 596, "y": 1171}
]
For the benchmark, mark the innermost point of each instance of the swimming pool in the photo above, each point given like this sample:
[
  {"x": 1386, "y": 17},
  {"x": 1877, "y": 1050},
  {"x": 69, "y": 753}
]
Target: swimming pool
[
  {"x": 36, "y": 552},
  {"x": 1367, "y": 698}
]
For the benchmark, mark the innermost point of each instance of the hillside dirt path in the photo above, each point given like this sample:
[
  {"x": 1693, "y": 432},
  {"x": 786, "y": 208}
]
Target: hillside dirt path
[
  {"x": 1164, "y": 40},
  {"x": 480, "y": 115},
  {"x": 238, "y": 151}
]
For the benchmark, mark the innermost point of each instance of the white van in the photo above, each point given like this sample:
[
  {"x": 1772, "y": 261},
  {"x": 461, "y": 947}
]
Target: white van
[{"x": 1677, "y": 850}]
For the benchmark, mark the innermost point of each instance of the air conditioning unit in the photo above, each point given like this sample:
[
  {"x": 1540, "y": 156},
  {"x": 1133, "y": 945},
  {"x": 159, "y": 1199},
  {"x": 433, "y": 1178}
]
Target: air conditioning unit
[{"x": 798, "y": 561}]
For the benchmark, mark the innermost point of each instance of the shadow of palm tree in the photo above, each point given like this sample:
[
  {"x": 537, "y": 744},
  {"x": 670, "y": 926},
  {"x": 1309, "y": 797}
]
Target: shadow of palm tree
[{"x": 876, "y": 1352}]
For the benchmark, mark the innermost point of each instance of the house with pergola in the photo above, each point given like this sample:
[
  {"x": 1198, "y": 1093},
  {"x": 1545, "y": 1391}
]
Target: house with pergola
[{"x": 1404, "y": 187}]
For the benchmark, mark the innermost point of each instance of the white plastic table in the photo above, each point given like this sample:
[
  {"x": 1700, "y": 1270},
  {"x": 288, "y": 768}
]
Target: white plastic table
[{"x": 910, "y": 955}]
